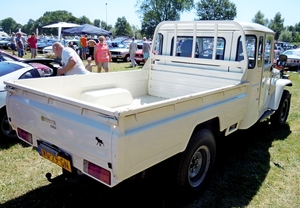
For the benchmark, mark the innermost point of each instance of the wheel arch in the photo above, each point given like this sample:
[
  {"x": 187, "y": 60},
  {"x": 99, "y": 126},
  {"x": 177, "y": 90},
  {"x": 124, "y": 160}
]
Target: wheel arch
[
  {"x": 281, "y": 84},
  {"x": 213, "y": 125}
]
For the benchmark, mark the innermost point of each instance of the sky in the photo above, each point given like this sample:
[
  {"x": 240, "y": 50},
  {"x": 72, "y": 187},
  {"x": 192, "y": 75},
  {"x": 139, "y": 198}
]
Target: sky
[{"x": 109, "y": 10}]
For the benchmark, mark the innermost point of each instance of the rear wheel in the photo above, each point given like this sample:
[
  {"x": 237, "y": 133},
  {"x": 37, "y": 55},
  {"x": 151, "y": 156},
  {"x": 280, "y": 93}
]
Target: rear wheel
[
  {"x": 6, "y": 129},
  {"x": 280, "y": 116},
  {"x": 197, "y": 161}
]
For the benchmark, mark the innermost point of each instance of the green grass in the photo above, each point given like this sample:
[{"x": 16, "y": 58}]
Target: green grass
[{"x": 258, "y": 167}]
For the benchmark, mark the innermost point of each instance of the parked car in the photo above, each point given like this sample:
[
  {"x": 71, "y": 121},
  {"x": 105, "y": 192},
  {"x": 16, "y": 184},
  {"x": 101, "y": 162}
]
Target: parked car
[
  {"x": 5, "y": 42},
  {"x": 13, "y": 70},
  {"x": 139, "y": 57},
  {"x": 4, "y": 56},
  {"x": 42, "y": 43},
  {"x": 293, "y": 58},
  {"x": 119, "y": 50},
  {"x": 74, "y": 42}
]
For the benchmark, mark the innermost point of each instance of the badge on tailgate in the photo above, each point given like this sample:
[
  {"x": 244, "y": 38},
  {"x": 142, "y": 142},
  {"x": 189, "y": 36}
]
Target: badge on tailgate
[{"x": 55, "y": 155}]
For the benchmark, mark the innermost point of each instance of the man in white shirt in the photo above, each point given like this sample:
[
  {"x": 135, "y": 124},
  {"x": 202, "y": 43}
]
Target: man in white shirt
[
  {"x": 132, "y": 51},
  {"x": 71, "y": 62}
]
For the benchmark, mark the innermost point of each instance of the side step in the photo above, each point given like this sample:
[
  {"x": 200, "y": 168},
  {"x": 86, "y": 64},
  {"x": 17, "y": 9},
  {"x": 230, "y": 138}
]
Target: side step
[{"x": 267, "y": 114}]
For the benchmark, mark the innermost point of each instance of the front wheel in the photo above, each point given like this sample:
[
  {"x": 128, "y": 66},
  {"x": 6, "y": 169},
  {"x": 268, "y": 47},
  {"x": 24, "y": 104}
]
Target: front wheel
[
  {"x": 6, "y": 129},
  {"x": 127, "y": 58},
  {"x": 197, "y": 161},
  {"x": 280, "y": 116}
]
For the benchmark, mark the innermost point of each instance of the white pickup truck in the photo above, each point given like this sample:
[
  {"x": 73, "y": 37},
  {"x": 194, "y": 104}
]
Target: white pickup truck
[{"x": 204, "y": 79}]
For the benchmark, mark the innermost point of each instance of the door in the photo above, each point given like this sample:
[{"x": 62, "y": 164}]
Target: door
[{"x": 264, "y": 62}]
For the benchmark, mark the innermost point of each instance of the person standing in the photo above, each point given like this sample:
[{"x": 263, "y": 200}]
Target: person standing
[
  {"x": 79, "y": 48},
  {"x": 63, "y": 41},
  {"x": 32, "y": 40},
  {"x": 145, "y": 49},
  {"x": 132, "y": 51},
  {"x": 20, "y": 45},
  {"x": 71, "y": 62},
  {"x": 13, "y": 43},
  {"x": 91, "y": 44},
  {"x": 102, "y": 55},
  {"x": 83, "y": 41}
]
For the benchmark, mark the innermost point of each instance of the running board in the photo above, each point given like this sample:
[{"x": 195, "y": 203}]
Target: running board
[{"x": 267, "y": 114}]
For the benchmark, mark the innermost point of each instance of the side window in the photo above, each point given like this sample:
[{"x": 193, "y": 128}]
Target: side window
[
  {"x": 251, "y": 50},
  {"x": 268, "y": 49},
  {"x": 30, "y": 74},
  {"x": 260, "y": 52},
  {"x": 157, "y": 49},
  {"x": 184, "y": 46}
]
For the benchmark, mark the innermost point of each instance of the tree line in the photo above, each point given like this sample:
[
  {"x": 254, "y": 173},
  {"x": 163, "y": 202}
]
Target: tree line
[{"x": 152, "y": 13}]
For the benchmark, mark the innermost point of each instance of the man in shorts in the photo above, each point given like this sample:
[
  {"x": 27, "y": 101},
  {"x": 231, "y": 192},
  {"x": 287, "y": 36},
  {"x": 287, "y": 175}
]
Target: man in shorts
[
  {"x": 146, "y": 49},
  {"x": 13, "y": 43},
  {"x": 20, "y": 45},
  {"x": 83, "y": 41},
  {"x": 33, "y": 45}
]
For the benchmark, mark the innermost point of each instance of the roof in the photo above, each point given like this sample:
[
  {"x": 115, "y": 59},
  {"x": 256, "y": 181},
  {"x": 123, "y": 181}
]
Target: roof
[{"x": 211, "y": 25}]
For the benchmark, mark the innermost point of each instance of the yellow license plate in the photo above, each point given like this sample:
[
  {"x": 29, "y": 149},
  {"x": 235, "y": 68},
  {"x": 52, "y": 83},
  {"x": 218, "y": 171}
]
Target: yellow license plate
[{"x": 60, "y": 161}]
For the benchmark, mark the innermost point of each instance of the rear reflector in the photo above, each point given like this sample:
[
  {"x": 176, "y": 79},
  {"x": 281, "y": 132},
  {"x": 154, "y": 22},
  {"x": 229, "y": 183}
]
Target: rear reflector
[
  {"x": 97, "y": 172},
  {"x": 25, "y": 135}
]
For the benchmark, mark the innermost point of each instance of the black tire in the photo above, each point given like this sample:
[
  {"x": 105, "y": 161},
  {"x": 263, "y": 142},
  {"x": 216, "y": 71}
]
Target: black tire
[
  {"x": 127, "y": 58},
  {"x": 114, "y": 60},
  {"x": 197, "y": 161},
  {"x": 280, "y": 116},
  {"x": 5, "y": 127}
]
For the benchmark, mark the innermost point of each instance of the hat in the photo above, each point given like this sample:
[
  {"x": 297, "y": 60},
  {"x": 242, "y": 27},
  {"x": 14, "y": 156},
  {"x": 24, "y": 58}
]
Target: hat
[{"x": 144, "y": 38}]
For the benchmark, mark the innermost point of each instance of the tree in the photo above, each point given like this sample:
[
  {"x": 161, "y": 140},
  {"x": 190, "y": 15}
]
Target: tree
[
  {"x": 122, "y": 27},
  {"x": 136, "y": 32},
  {"x": 29, "y": 27},
  {"x": 152, "y": 12},
  {"x": 54, "y": 17},
  {"x": 286, "y": 36},
  {"x": 215, "y": 10},
  {"x": 276, "y": 25},
  {"x": 9, "y": 25},
  {"x": 83, "y": 20},
  {"x": 259, "y": 18},
  {"x": 297, "y": 38}
]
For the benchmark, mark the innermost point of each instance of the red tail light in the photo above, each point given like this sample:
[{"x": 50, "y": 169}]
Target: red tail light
[
  {"x": 25, "y": 135},
  {"x": 97, "y": 172}
]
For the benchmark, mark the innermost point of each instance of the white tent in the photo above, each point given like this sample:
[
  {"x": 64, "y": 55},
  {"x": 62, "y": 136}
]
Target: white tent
[
  {"x": 61, "y": 25},
  {"x": 3, "y": 34}
]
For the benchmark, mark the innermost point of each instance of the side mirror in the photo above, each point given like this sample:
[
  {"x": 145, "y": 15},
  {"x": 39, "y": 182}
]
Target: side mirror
[{"x": 281, "y": 61}]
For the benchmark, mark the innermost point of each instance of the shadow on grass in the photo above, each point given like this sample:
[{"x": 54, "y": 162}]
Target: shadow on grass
[
  {"x": 242, "y": 165},
  {"x": 6, "y": 143}
]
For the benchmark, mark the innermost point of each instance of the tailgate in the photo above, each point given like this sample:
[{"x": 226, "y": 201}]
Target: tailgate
[{"x": 80, "y": 132}]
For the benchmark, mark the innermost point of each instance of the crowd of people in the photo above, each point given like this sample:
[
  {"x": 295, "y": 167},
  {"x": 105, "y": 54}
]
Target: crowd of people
[{"x": 96, "y": 53}]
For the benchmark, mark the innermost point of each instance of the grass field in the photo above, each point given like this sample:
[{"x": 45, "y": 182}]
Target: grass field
[{"x": 258, "y": 167}]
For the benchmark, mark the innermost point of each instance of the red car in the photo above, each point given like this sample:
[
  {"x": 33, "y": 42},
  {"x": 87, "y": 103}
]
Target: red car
[
  {"x": 138, "y": 57},
  {"x": 4, "y": 56}
]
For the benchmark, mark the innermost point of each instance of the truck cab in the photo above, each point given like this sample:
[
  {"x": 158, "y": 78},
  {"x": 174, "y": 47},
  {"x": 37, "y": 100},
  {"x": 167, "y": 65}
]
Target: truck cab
[{"x": 229, "y": 42}]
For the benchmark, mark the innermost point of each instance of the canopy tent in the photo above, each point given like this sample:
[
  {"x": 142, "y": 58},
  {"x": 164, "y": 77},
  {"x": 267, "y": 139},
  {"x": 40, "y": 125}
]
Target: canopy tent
[
  {"x": 86, "y": 29},
  {"x": 61, "y": 25}
]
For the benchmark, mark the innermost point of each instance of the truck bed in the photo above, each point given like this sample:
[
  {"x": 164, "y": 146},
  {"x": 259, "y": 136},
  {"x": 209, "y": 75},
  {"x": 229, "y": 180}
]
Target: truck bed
[{"x": 128, "y": 110}]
